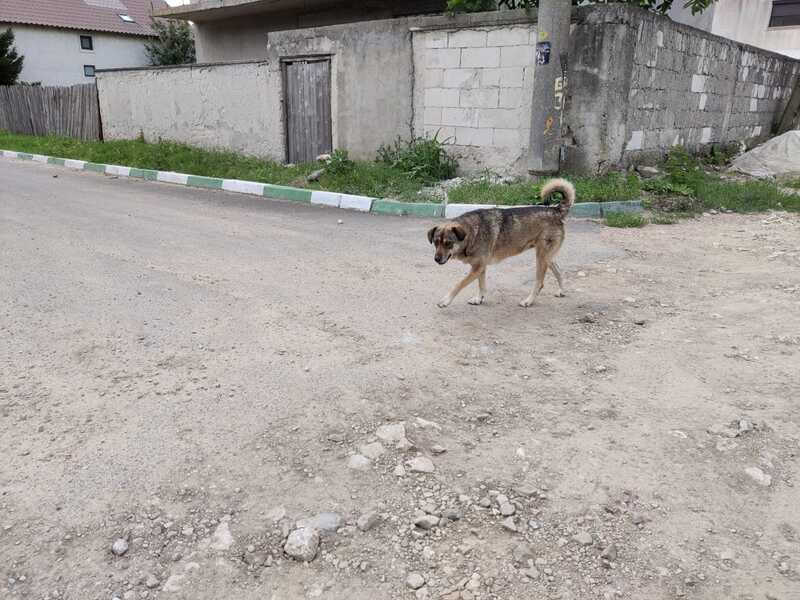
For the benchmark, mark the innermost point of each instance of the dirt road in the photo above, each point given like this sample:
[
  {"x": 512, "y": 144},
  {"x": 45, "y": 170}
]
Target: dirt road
[{"x": 193, "y": 372}]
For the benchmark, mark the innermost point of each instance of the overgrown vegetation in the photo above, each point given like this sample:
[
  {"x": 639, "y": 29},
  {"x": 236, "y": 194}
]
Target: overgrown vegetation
[
  {"x": 697, "y": 189},
  {"x": 10, "y": 60},
  {"x": 421, "y": 158},
  {"x": 174, "y": 44},
  {"x": 660, "y": 6}
]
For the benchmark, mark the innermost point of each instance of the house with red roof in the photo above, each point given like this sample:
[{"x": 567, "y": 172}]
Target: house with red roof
[{"x": 65, "y": 41}]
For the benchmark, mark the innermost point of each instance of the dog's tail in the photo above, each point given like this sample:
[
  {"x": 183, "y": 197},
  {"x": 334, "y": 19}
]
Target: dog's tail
[{"x": 567, "y": 191}]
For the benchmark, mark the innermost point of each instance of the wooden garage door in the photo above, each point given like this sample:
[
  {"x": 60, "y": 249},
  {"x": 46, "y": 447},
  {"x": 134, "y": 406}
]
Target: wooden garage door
[{"x": 308, "y": 108}]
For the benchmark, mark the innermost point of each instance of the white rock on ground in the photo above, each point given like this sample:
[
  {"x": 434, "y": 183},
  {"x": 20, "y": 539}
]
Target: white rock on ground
[
  {"x": 222, "y": 539},
  {"x": 421, "y": 464},
  {"x": 302, "y": 544},
  {"x": 372, "y": 451},
  {"x": 393, "y": 432},
  {"x": 415, "y": 581},
  {"x": 325, "y": 522},
  {"x": 759, "y": 476},
  {"x": 358, "y": 462},
  {"x": 119, "y": 547}
]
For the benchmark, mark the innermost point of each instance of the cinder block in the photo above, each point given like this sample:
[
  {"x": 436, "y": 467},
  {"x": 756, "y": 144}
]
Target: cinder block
[
  {"x": 432, "y": 115},
  {"x": 509, "y": 138},
  {"x": 436, "y": 39},
  {"x": 480, "y": 98},
  {"x": 511, "y": 77},
  {"x": 460, "y": 117},
  {"x": 433, "y": 78},
  {"x": 499, "y": 118},
  {"x": 480, "y": 57},
  {"x": 517, "y": 56},
  {"x": 509, "y": 36},
  {"x": 461, "y": 78},
  {"x": 705, "y": 135},
  {"x": 703, "y": 100},
  {"x": 490, "y": 77},
  {"x": 441, "y": 97},
  {"x": 753, "y": 104},
  {"x": 510, "y": 97},
  {"x": 698, "y": 83},
  {"x": 466, "y": 38},
  {"x": 443, "y": 58},
  {"x": 473, "y": 136}
]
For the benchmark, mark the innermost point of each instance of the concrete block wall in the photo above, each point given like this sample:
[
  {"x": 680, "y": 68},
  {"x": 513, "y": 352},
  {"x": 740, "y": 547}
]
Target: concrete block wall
[
  {"x": 641, "y": 83},
  {"x": 692, "y": 89},
  {"x": 473, "y": 88}
]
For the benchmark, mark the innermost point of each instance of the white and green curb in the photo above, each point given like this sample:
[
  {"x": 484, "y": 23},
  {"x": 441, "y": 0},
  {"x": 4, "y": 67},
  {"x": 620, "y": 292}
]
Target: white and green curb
[{"x": 323, "y": 198}]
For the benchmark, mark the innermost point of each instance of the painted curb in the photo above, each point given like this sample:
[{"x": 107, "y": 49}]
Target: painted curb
[{"x": 381, "y": 206}]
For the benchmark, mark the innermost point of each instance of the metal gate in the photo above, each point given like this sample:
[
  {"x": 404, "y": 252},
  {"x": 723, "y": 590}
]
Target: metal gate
[{"x": 307, "y": 85}]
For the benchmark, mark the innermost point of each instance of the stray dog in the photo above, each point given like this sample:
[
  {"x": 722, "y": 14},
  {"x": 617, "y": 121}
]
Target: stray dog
[{"x": 487, "y": 236}]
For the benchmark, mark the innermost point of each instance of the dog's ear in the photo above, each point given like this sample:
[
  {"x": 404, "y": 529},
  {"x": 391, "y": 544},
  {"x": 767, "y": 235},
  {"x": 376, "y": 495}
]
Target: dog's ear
[
  {"x": 431, "y": 233},
  {"x": 459, "y": 232}
]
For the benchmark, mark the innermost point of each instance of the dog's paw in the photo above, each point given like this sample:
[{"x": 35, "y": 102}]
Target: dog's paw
[
  {"x": 561, "y": 294},
  {"x": 526, "y": 303},
  {"x": 443, "y": 303},
  {"x": 477, "y": 300}
]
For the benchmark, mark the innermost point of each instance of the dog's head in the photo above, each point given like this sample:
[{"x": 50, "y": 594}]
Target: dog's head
[{"x": 448, "y": 240}]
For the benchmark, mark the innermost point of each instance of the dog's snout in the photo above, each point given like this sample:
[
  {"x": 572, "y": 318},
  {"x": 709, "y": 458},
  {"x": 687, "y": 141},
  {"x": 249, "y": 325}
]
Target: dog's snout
[{"x": 440, "y": 259}]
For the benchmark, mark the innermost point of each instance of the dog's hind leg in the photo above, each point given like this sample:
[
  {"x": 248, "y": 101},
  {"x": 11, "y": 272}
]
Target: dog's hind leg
[
  {"x": 472, "y": 276},
  {"x": 557, "y": 272},
  {"x": 481, "y": 289}
]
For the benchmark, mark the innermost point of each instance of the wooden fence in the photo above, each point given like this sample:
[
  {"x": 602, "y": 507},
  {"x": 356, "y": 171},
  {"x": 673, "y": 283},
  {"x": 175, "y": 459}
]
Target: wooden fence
[{"x": 69, "y": 111}]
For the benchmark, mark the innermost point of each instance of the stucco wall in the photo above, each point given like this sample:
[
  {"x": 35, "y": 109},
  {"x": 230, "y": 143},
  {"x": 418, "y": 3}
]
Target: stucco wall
[
  {"x": 641, "y": 83},
  {"x": 473, "y": 87},
  {"x": 54, "y": 56},
  {"x": 371, "y": 78},
  {"x": 235, "y": 107}
]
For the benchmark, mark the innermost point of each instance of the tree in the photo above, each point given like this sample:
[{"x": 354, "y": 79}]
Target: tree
[
  {"x": 174, "y": 44},
  {"x": 661, "y": 6},
  {"x": 10, "y": 61}
]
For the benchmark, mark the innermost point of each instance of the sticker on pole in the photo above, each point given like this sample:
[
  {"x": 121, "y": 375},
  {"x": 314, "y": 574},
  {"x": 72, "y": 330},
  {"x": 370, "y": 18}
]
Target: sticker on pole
[{"x": 543, "y": 53}]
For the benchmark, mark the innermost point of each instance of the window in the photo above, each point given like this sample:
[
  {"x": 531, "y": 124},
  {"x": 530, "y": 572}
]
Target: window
[
  {"x": 785, "y": 13},
  {"x": 127, "y": 18},
  {"x": 88, "y": 70},
  {"x": 87, "y": 43}
]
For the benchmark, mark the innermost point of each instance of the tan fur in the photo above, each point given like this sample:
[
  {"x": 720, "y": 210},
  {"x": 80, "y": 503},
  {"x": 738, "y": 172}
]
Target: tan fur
[{"x": 488, "y": 236}]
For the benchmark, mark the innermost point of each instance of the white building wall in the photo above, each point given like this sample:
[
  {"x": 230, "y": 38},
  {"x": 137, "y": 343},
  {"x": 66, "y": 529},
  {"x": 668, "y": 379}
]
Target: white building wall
[
  {"x": 54, "y": 56},
  {"x": 474, "y": 87},
  {"x": 745, "y": 21}
]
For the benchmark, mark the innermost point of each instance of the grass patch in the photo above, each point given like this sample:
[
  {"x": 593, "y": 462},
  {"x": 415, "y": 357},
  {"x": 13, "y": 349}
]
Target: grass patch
[
  {"x": 603, "y": 188},
  {"x": 376, "y": 179},
  {"x": 625, "y": 220},
  {"x": 688, "y": 187},
  {"x": 793, "y": 183}
]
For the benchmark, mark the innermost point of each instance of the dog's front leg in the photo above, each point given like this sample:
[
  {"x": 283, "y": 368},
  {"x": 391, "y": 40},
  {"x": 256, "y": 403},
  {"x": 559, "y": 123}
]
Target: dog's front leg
[
  {"x": 472, "y": 276},
  {"x": 481, "y": 289}
]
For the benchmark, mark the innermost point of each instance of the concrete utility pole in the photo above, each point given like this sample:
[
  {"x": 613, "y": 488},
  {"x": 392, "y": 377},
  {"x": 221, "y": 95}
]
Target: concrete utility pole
[{"x": 549, "y": 85}]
